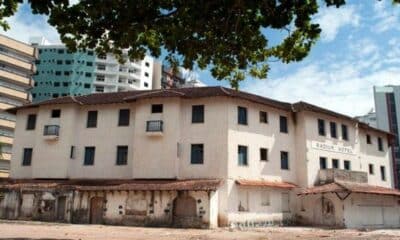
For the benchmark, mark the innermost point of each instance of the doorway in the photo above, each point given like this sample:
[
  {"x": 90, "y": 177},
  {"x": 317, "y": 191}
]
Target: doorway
[
  {"x": 61, "y": 204},
  {"x": 96, "y": 210}
]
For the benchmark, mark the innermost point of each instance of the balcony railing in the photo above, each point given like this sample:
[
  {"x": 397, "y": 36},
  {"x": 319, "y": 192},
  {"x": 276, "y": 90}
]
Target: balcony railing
[
  {"x": 51, "y": 130},
  {"x": 154, "y": 126}
]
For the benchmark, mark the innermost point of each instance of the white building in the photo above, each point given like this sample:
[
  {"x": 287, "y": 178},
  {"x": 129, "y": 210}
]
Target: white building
[{"x": 199, "y": 157}]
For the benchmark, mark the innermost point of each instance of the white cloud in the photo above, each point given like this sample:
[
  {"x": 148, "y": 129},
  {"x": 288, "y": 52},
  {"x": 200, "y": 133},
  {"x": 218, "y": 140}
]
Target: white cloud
[
  {"x": 387, "y": 17},
  {"x": 24, "y": 25},
  {"x": 333, "y": 19}
]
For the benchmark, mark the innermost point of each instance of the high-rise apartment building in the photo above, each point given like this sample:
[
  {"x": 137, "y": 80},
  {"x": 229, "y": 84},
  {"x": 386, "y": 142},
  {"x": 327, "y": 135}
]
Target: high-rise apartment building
[
  {"x": 387, "y": 107},
  {"x": 64, "y": 73},
  {"x": 16, "y": 69}
]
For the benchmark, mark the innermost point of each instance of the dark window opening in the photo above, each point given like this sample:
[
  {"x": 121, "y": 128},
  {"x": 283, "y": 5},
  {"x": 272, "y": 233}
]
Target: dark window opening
[
  {"x": 198, "y": 114},
  {"x": 345, "y": 134},
  {"x": 322, "y": 162},
  {"x": 242, "y": 115},
  {"x": 31, "y": 123},
  {"x": 27, "y": 157},
  {"x": 263, "y": 154},
  {"x": 263, "y": 117},
  {"x": 371, "y": 169},
  {"x": 283, "y": 124},
  {"x": 333, "y": 129},
  {"x": 347, "y": 165},
  {"x": 122, "y": 155},
  {"x": 383, "y": 173},
  {"x": 55, "y": 113},
  {"x": 123, "y": 117},
  {"x": 284, "y": 160},
  {"x": 321, "y": 127},
  {"x": 89, "y": 155},
  {"x": 91, "y": 119},
  {"x": 72, "y": 152},
  {"x": 197, "y": 154},
  {"x": 156, "y": 108},
  {"x": 380, "y": 144},
  {"x": 242, "y": 155},
  {"x": 335, "y": 163},
  {"x": 369, "y": 139}
]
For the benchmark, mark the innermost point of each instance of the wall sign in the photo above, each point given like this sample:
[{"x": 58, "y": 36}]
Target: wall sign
[{"x": 332, "y": 148}]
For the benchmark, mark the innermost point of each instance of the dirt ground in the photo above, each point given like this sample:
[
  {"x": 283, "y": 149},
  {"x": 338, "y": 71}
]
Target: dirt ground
[{"x": 20, "y": 230}]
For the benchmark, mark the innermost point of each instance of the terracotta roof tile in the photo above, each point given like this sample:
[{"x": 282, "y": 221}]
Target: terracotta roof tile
[
  {"x": 96, "y": 184},
  {"x": 337, "y": 187},
  {"x": 263, "y": 183}
]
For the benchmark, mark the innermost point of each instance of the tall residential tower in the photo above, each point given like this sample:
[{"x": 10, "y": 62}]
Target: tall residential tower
[
  {"x": 64, "y": 73},
  {"x": 387, "y": 106},
  {"x": 16, "y": 69}
]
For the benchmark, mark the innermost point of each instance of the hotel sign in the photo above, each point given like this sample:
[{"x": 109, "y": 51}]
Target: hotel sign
[{"x": 332, "y": 148}]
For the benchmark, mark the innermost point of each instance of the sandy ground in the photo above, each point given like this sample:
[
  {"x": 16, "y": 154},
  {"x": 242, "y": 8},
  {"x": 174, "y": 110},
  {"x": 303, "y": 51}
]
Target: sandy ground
[{"x": 20, "y": 230}]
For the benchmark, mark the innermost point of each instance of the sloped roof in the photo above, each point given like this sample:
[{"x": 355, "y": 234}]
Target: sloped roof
[
  {"x": 190, "y": 93},
  {"x": 264, "y": 183},
  {"x": 337, "y": 187}
]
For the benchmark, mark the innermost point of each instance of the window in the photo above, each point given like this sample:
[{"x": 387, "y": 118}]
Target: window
[
  {"x": 59, "y": 62},
  {"x": 345, "y": 134},
  {"x": 66, "y": 73},
  {"x": 322, "y": 162},
  {"x": 263, "y": 117},
  {"x": 123, "y": 119},
  {"x": 265, "y": 198},
  {"x": 284, "y": 160},
  {"x": 380, "y": 144},
  {"x": 90, "y": 53},
  {"x": 146, "y": 84},
  {"x": 146, "y": 74},
  {"x": 335, "y": 163},
  {"x": 198, "y": 114},
  {"x": 122, "y": 155},
  {"x": 263, "y": 154},
  {"x": 68, "y": 62},
  {"x": 92, "y": 119},
  {"x": 72, "y": 152},
  {"x": 321, "y": 127},
  {"x": 27, "y": 157},
  {"x": 58, "y": 73},
  {"x": 147, "y": 64},
  {"x": 89, "y": 156},
  {"x": 31, "y": 123},
  {"x": 242, "y": 155},
  {"x": 56, "y": 84},
  {"x": 55, "y": 113},
  {"x": 55, "y": 95},
  {"x": 156, "y": 108},
  {"x": 197, "y": 154},
  {"x": 371, "y": 169},
  {"x": 89, "y": 64},
  {"x": 369, "y": 139},
  {"x": 333, "y": 129},
  {"x": 347, "y": 165},
  {"x": 242, "y": 115},
  {"x": 383, "y": 173},
  {"x": 60, "y": 51},
  {"x": 283, "y": 124},
  {"x": 99, "y": 89},
  {"x": 86, "y": 85},
  {"x": 87, "y": 74}
]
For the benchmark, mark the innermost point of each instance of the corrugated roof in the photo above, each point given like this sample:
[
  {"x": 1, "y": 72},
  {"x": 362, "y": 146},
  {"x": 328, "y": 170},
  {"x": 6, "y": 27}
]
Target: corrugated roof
[
  {"x": 98, "y": 185},
  {"x": 337, "y": 187},
  {"x": 264, "y": 183}
]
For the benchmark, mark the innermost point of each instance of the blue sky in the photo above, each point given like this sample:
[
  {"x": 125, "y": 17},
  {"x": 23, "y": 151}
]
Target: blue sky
[{"x": 359, "y": 48}]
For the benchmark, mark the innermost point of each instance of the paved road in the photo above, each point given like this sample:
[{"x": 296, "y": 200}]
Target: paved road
[{"x": 20, "y": 230}]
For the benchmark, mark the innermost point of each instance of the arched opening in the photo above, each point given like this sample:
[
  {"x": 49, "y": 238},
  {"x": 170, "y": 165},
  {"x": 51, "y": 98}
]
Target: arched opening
[{"x": 184, "y": 211}]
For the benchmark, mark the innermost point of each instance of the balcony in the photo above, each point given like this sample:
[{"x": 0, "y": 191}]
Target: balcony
[
  {"x": 333, "y": 175},
  {"x": 17, "y": 63},
  {"x": 10, "y": 76},
  {"x": 51, "y": 132},
  {"x": 154, "y": 128},
  {"x": 16, "y": 94}
]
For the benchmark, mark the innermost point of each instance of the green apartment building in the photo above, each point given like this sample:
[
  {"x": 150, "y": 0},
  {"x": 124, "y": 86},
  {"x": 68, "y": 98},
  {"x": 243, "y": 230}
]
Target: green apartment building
[{"x": 64, "y": 73}]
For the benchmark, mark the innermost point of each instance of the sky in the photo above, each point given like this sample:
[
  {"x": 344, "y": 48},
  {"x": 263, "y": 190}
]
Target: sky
[{"x": 359, "y": 47}]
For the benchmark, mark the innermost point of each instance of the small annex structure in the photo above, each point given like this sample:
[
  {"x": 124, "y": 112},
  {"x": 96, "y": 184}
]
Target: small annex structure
[{"x": 197, "y": 157}]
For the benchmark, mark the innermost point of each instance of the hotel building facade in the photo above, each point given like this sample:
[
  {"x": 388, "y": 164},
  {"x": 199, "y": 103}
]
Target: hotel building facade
[
  {"x": 197, "y": 157},
  {"x": 16, "y": 69}
]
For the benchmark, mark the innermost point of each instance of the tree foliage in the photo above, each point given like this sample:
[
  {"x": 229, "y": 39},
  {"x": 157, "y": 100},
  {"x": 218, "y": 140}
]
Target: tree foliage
[{"x": 225, "y": 36}]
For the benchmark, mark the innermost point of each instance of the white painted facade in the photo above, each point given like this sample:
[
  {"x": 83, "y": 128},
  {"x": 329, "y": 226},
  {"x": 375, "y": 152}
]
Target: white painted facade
[{"x": 167, "y": 154}]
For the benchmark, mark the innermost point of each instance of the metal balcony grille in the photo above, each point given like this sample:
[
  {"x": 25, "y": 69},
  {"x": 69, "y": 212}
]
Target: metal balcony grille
[
  {"x": 51, "y": 130},
  {"x": 154, "y": 126}
]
